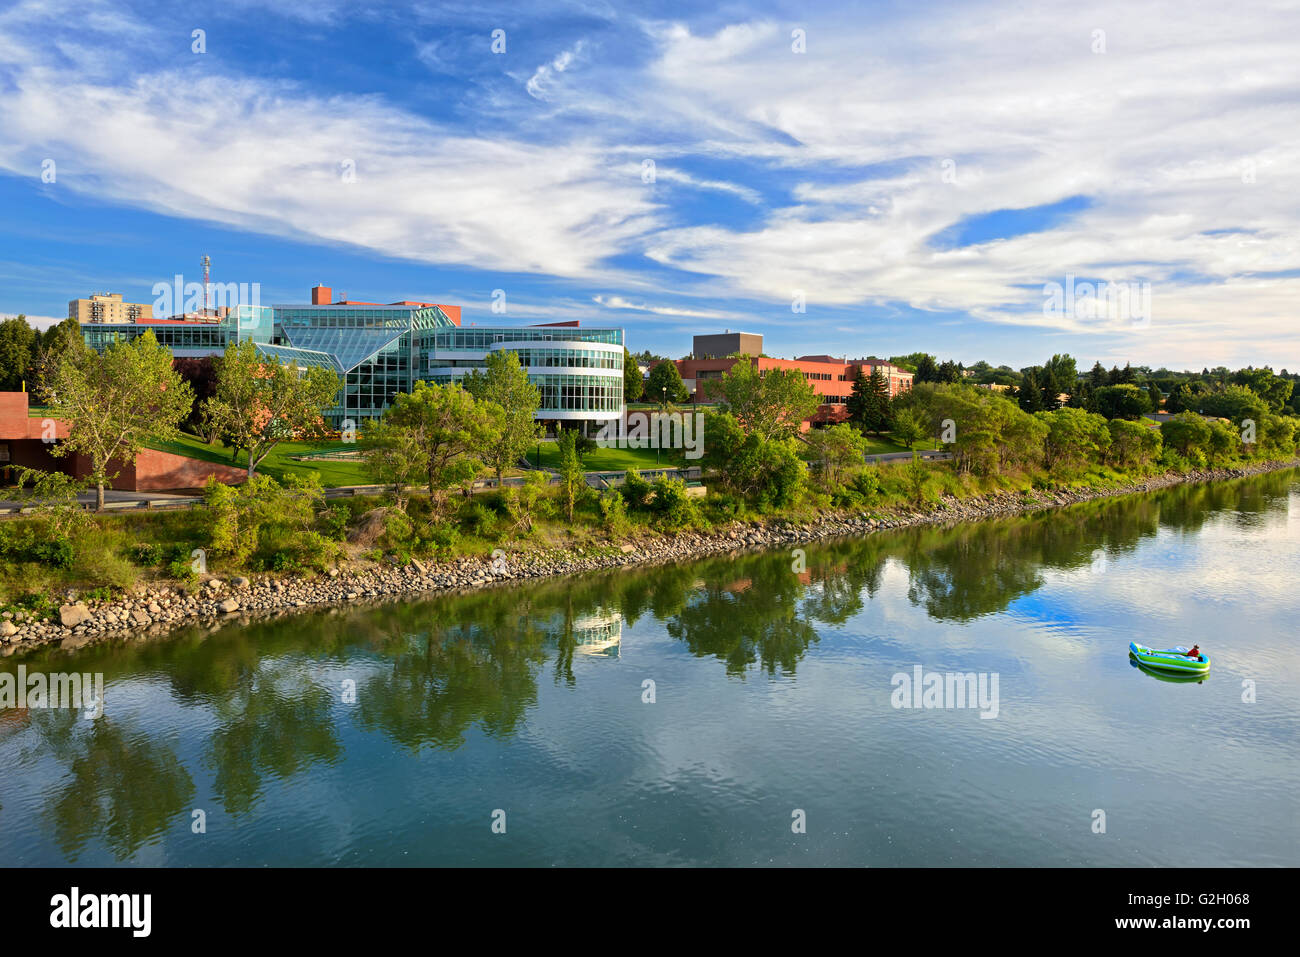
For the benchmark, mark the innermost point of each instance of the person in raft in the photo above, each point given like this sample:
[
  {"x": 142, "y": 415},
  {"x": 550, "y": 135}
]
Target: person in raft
[{"x": 1195, "y": 652}]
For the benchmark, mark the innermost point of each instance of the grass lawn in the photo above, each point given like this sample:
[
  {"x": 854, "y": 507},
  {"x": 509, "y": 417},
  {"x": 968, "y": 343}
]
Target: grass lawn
[
  {"x": 613, "y": 460},
  {"x": 878, "y": 444},
  {"x": 279, "y": 462}
]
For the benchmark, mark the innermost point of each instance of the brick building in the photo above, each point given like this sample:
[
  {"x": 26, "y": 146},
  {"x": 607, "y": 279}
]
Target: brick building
[{"x": 830, "y": 377}]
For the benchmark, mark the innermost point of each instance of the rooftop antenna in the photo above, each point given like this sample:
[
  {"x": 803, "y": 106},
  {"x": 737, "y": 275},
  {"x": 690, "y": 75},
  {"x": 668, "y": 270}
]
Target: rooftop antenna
[{"x": 206, "y": 263}]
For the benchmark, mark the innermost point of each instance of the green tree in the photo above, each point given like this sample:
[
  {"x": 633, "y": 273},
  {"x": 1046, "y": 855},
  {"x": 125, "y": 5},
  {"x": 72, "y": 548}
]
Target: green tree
[
  {"x": 18, "y": 352},
  {"x": 1132, "y": 443},
  {"x": 948, "y": 371},
  {"x": 260, "y": 401},
  {"x": 909, "y": 427},
  {"x": 573, "y": 478},
  {"x": 506, "y": 383},
  {"x": 1084, "y": 396},
  {"x": 633, "y": 383},
  {"x": 451, "y": 430},
  {"x": 1060, "y": 374},
  {"x": 115, "y": 403},
  {"x": 1073, "y": 438},
  {"x": 1122, "y": 401},
  {"x": 55, "y": 342},
  {"x": 1181, "y": 398},
  {"x": 1030, "y": 393},
  {"x": 868, "y": 404},
  {"x": 1273, "y": 389},
  {"x": 835, "y": 449},
  {"x": 1225, "y": 443},
  {"x": 772, "y": 405},
  {"x": 1235, "y": 402},
  {"x": 664, "y": 384},
  {"x": 927, "y": 370},
  {"x": 1186, "y": 433},
  {"x": 766, "y": 471},
  {"x": 393, "y": 456}
]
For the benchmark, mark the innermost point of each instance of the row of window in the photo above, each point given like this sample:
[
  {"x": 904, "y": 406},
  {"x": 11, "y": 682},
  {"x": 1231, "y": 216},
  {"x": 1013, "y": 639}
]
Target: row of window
[
  {"x": 481, "y": 340},
  {"x": 604, "y": 395},
  {"x": 571, "y": 358},
  {"x": 588, "y": 393}
]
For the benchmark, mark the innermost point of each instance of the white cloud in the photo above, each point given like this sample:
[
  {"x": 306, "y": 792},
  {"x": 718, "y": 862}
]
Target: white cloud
[
  {"x": 1185, "y": 126},
  {"x": 537, "y": 84},
  {"x": 618, "y": 302}
]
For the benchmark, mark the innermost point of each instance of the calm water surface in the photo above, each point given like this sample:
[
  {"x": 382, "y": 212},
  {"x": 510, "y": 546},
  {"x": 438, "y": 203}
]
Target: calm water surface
[{"x": 772, "y": 692}]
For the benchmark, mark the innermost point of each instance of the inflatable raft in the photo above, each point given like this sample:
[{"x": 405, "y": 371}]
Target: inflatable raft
[{"x": 1170, "y": 660}]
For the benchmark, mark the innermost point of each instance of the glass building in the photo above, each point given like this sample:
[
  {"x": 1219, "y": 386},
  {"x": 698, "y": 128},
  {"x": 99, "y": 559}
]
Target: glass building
[{"x": 380, "y": 350}]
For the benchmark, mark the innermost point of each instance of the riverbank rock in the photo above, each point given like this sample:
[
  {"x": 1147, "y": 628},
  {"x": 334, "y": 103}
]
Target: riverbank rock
[
  {"x": 161, "y": 608},
  {"x": 70, "y": 616}
]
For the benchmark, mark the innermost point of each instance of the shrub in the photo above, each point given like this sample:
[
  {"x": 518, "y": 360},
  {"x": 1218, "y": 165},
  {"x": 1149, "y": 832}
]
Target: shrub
[
  {"x": 57, "y": 552},
  {"x": 635, "y": 490},
  {"x": 916, "y": 478},
  {"x": 182, "y": 569},
  {"x": 99, "y": 560},
  {"x": 613, "y": 512},
  {"x": 441, "y": 536},
  {"x": 867, "y": 483},
  {"x": 521, "y": 504},
  {"x": 148, "y": 554},
  {"x": 672, "y": 505},
  {"x": 479, "y": 520},
  {"x": 399, "y": 531},
  {"x": 334, "y": 521}
]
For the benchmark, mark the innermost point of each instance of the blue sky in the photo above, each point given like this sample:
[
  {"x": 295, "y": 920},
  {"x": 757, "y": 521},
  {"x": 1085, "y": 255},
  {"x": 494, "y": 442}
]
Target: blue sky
[{"x": 914, "y": 176}]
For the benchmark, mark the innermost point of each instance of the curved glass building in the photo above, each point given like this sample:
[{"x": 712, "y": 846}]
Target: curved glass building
[{"x": 381, "y": 349}]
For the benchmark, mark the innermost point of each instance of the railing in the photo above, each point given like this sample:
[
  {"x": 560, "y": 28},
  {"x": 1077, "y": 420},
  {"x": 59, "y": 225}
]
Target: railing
[{"x": 597, "y": 480}]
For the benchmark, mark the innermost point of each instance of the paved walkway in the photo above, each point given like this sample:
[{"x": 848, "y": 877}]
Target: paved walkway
[
  {"x": 113, "y": 499},
  {"x": 902, "y": 456}
]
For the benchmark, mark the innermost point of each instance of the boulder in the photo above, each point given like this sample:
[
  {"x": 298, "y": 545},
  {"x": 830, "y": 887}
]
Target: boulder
[
  {"x": 227, "y": 606},
  {"x": 70, "y": 616}
]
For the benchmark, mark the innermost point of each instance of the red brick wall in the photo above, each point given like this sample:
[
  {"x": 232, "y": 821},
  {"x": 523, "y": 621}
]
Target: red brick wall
[{"x": 155, "y": 471}]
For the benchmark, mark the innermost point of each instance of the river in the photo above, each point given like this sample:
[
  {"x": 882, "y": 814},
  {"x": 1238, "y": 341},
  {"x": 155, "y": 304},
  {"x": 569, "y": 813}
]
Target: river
[{"x": 743, "y": 710}]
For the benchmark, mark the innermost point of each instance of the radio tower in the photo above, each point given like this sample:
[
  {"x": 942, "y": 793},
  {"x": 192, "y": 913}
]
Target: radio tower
[{"x": 206, "y": 262}]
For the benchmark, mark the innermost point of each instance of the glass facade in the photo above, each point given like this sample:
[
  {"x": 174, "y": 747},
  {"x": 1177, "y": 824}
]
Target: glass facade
[
  {"x": 480, "y": 338},
  {"x": 380, "y": 351}
]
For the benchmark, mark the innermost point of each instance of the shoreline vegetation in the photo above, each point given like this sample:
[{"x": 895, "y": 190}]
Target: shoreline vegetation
[
  {"x": 154, "y": 607},
  {"x": 275, "y": 542}
]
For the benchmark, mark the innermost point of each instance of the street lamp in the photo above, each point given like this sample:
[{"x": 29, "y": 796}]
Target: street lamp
[{"x": 664, "y": 406}]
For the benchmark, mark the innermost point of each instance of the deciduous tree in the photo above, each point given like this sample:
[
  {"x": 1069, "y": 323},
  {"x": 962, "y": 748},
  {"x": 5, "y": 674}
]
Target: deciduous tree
[
  {"x": 260, "y": 401},
  {"x": 113, "y": 404}
]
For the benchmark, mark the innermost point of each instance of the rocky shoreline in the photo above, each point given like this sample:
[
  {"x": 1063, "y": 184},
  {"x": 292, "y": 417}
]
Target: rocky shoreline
[{"x": 156, "y": 609}]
